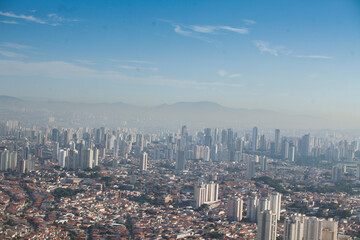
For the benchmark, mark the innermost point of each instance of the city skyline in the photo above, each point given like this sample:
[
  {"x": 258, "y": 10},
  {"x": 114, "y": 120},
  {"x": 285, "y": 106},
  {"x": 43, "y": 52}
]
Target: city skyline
[{"x": 296, "y": 58}]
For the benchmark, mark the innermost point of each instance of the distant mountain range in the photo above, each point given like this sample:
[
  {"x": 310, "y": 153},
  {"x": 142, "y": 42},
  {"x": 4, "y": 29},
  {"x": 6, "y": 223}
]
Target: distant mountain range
[{"x": 196, "y": 114}]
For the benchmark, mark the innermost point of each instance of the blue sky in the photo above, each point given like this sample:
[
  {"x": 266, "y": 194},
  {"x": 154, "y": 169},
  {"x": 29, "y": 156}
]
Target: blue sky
[{"x": 290, "y": 56}]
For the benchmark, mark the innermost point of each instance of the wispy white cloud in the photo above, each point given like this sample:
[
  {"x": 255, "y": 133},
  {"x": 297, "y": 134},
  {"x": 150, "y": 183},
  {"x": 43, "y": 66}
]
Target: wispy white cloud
[
  {"x": 203, "y": 29},
  {"x": 83, "y": 61},
  {"x": 314, "y": 75},
  {"x": 58, "y": 20},
  {"x": 235, "y": 75},
  {"x": 24, "y": 17},
  {"x": 9, "y": 22},
  {"x": 180, "y": 31},
  {"x": 137, "y": 68},
  {"x": 222, "y": 73},
  {"x": 52, "y": 19},
  {"x": 280, "y": 50},
  {"x": 199, "y": 31},
  {"x": 237, "y": 30},
  {"x": 65, "y": 70},
  {"x": 11, "y": 54},
  {"x": 141, "y": 62},
  {"x": 16, "y": 46},
  {"x": 313, "y": 56},
  {"x": 249, "y": 21},
  {"x": 264, "y": 47},
  {"x": 215, "y": 29}
]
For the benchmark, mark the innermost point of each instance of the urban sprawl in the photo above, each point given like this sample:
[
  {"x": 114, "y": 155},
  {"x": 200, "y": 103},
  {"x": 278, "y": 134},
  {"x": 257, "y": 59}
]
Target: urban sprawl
[{"x": 102, "y": 183}]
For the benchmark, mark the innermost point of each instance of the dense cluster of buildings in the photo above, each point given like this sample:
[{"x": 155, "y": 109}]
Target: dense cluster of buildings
[{"x": 211, "y": 184}]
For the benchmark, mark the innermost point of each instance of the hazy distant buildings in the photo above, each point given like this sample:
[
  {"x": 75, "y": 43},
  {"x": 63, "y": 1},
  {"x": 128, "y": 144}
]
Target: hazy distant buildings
[
  {"x": 305, "y": 145},
  {"x": 263, "y": 163},
  {"x": 285, "y": 149},
  {"x": 55, "y": 150},
  {"x": 254, "y": 139},
  {"x": 337, "y": 173},
  {"x": 277, "y": 141},
  {"x": 292, "y": 153}
]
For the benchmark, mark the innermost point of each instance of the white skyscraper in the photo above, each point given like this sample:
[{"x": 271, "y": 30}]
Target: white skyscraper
[
  {"x": 252, "y": 205},
  {"x": 250, "y": 169},
  {"x": 264, "y": 204},
  {"x": 235, "y": 208},
  {"x": 320, "y": 229},
  {"x": 87, "y": 158},
  {"x": 277, "y": 141},
  {"x": 358, "y": 171},
  {"x": 328, "y": 229},
  {"x": 62, "y": 157},
  {"x": 4, "y": 160},
  {"x": 337, "y": 173},
  {"x": 275, "y": 204},
  {"x": 199, "y": 194},
  {"x": 206, "y": 193},
  {"x": 144, "y": 161},
  {"x": 294, "y": 227},
  {"x": 263, "y": 163},
  {"x": 212, "y": 192},
  {"x": 292, "y": 153},
  {"x": 206, "y": 154},
  {"x": 267, "y": 226},
  {"x": 55, "y": 153},
  {"x": 95, "y": 157},
  {"x": 180, "y": 160},
  {"x": 13, "y": 160},
  {"x": 254, "y": 139}
]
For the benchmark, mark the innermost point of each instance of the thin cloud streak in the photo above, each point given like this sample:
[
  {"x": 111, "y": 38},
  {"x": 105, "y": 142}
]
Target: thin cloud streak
[
  {"x": 235, "y": 75},
  {"x": 198, "y": 31},
  {"x": 314, "y": 56},
  {"x": 180, "y": 31},
  {"x": 222, "y": 73},
  {"x": 137, "y": 68},
  {"x": 11, "y": 54},
  {"x": 215, "y": 29},
  {"x": 69, "y": 71},
  {"x": 24, "y": 17},
  {"x": 249, "y": 21},
  {"x": 16, "y": 46},
  {"x": 9, "y": 22},
  {"x": 141, "y": 61},
  {"x": 276, "y": 51},
  {"x": 264, "y": 47},
  {"x": 83, "y": 61},
  {"x": 53, "y": 18}
]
